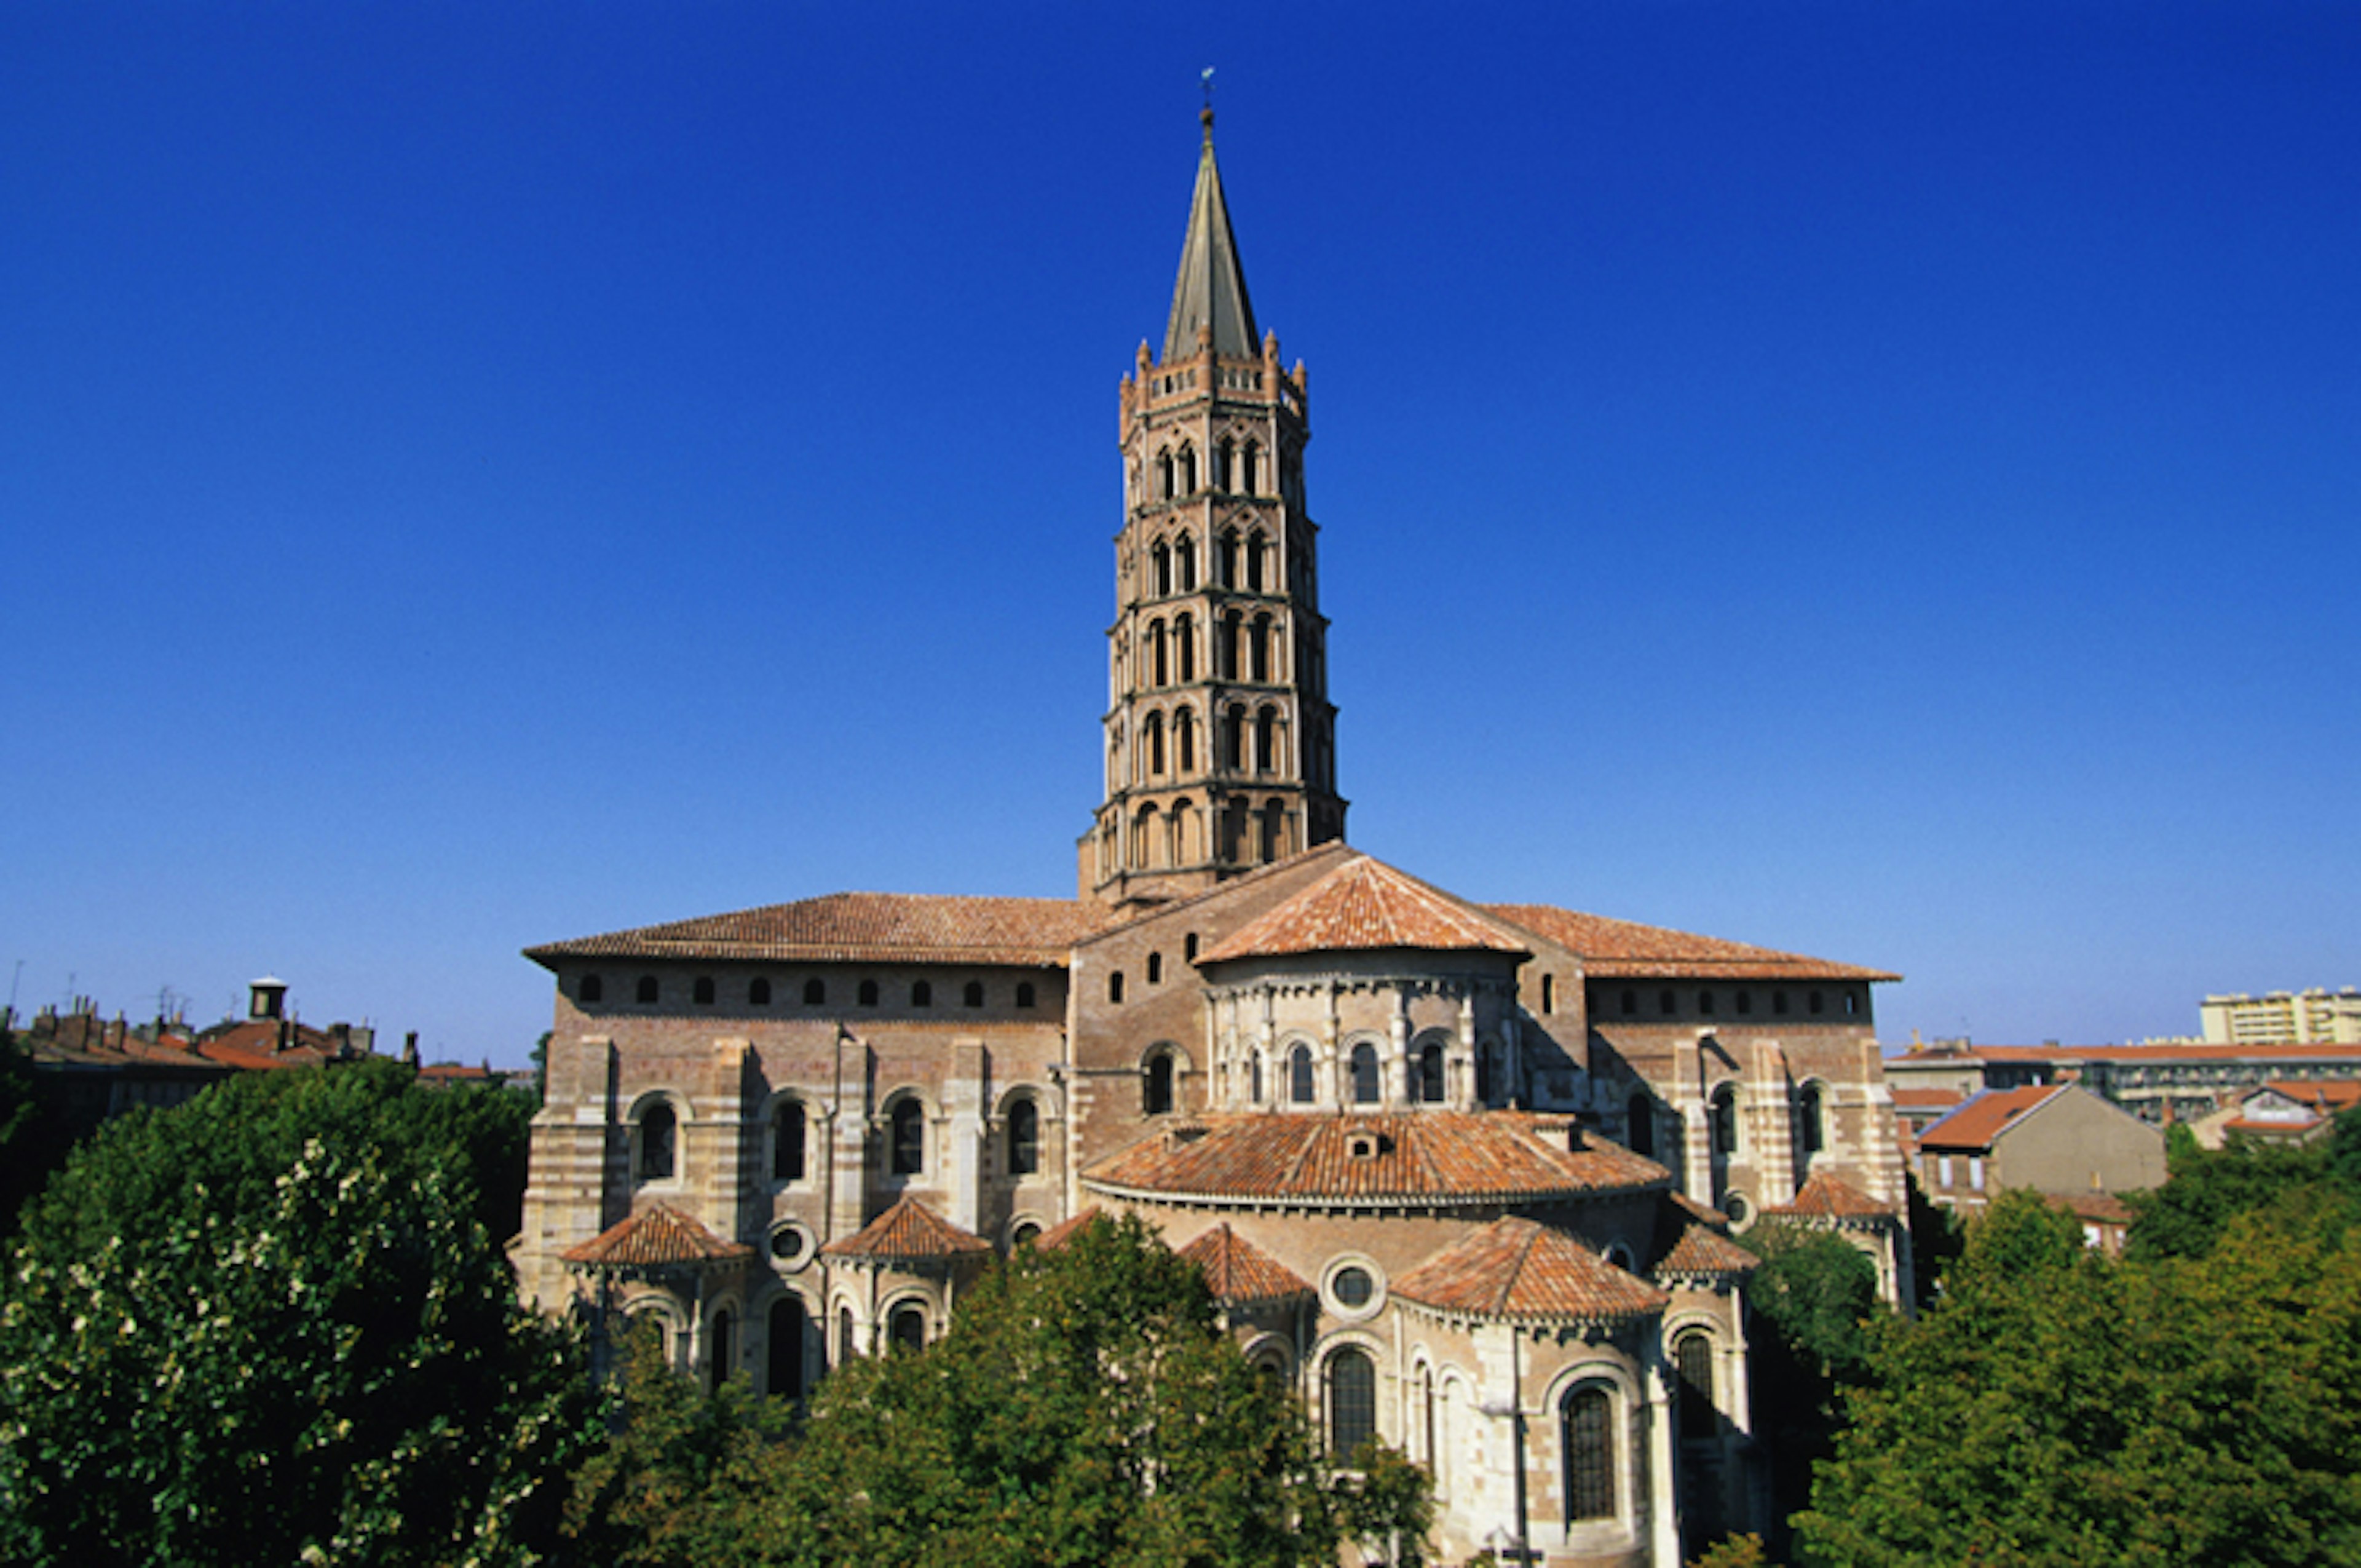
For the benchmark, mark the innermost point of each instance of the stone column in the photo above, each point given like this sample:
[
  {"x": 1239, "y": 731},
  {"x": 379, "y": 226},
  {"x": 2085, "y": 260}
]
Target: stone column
[{"x": 1663, "y": 1498}]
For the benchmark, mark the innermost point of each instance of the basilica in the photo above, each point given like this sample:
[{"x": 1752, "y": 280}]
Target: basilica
[{"x": 1476, "y": 1178}]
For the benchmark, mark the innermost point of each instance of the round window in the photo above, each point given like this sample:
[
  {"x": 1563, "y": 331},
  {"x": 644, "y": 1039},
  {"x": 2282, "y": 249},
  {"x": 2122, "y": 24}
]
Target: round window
[
  {"x": 1734, "y": 1205},
  {"x": 786, "y": 1243},
  {"x": 1353, "y": 1287}
]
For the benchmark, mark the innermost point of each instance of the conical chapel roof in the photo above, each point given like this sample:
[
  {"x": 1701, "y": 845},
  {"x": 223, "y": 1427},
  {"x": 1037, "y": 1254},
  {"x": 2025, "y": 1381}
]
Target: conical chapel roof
[{"x": 1212, "y": 288}]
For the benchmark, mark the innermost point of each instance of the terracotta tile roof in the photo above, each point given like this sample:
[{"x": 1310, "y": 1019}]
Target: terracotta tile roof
[
  {"x": 1417, "y": 1157},
  {"x": 1699, "y": 1251},
  {"x": 658, "y": 1236},
  {"x": 1523, "y": 1271},
  {"x": 1237, "y": 1271},
  {"x": 2190, "y": 1052},
  {"x": 861, "y": 928},
  {"x": 1627, "y": 949},
  {"x": 1975, "y": 1124},
  {"x": 1826, "y": 1197},
  {"x": 2328, "y": 1097},
  {"x": 907, "y": 1232},
  {"x": 1364, "y": 905},
  {"x": 1061, "y": 1232},
  {"x": 2103, "y": 1207}
]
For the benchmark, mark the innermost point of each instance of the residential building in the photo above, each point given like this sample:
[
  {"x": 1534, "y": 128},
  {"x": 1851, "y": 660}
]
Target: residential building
[
  {"x": 2284, "y": 1018},
  {"x": 2053, "y": 1138}
]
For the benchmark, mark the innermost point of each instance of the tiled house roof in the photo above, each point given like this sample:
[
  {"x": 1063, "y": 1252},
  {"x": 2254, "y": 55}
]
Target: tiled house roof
[
  {"x": 1700, "y": 1245},
  {"x": 1061, "y": 1232},
  {"x": 1377, "y": 1159},
  {"x": 1975, "y": 1124},
  {"x": 1626, "y": 949},
  {"x": 1364, "y": 906},
  {"x": 659, "y": 1236},
  {"x": 907, "y": 1232},
  {"x": 1237, "y": 1271},
  {"x": 861, "y": 928},
  {"x": 1523, "y": 1271},
  {"x": 1826, "y": 1197}
]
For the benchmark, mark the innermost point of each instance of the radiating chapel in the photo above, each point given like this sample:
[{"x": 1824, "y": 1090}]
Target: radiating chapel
[{"x": 1474, "y": 1177}]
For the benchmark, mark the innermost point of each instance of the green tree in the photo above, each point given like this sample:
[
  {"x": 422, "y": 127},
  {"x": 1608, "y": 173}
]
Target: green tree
[
  {"x": 1085, "y": 1409},
  {"x": 267, "y": 1326},
  {"x": 2058, "y": 1409},
  {"x": 2205, "y": 1188},
  {"x": 1813, "y": 1298}
]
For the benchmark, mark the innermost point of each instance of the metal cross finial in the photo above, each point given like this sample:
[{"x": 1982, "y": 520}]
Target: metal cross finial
[{"x": 1207, "y": 77}]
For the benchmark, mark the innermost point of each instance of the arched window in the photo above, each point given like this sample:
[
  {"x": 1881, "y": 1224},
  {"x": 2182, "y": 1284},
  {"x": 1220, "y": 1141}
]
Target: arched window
[
  {"x": 788, "y": 1141},
  {"x": 921, "y": 994},
  {"x": 1024, "y": 1139},
  {"x": 1811, "y": 1131},
  {"x": 1274, "y": 829},
  {"x": 1639, "y": 1123},
  {"x": 847, "y": 1345},
  {"x": 1155, "y": 969},
  {"x": 1721, "y": 1112},
  {"x": 1429, "y": 1073},
  {"x": 659, "y": 1136},
  {"x": 758, "y": 991},
  {"x": 1366, "y": 1088},
  {"x": 1115, "y": 986},
  {"x": 1156, "y": 1087},
  {"x": 1155, "y": 745},
  {"x": 1025, "y": 993},
  {"x": 1352, "y": 1400},
  {"x": 1226, "y": 559},
  {"x": 1488, "y": 1076},
  {"x": 662, "y": 1333},
  {"x": 868, "y": 993},
  {"x": 1184, "y": 558},
  {"x": 1226, "y": 464},
  {"x": 1693, "y": 1359},
  {"x": 1265, "y": 738},
  {"x": 1298, "y": 1076},
  {"x": 1162, "y": 558},
  {"x": 788, "y": 1328},
  {"x": 908, "y": 1138},
  {"x": 972, "y": 995},
  {"x": 1251, "y": 479},
  {"x": 1257, "y": 548},
  {"x": 1426, "y": 1419},
  {"x": 814, "y": 992},
  {"x": 647, "y": 992},
  {"x": 1187, "y": 470},
  {"x": 1254, "y": 1078},
  {"x": 1164, "y": 474},
  {"x": 1184, "y": 740},
  {"x": 1184, "y": 647},
  {"x": 907, "y": 1330},
  {"x": 1259, "y": 649},
  {"x": 1234, "y": 729},
  {"x": 725, "y": 1347},
  {"x": 590, "y": 988},
  {"x": 1589, "y": 1449},
  {"x": 701, "y": 992}
]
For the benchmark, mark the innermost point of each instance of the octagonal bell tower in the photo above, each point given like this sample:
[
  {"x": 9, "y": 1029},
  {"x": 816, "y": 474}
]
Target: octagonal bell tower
[{"x": 1220, "y": 738}]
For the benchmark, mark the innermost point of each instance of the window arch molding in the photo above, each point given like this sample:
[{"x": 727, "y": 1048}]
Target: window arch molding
[
  {"x": 671, "y": 1317},
  {"x": 1276, "y": 1351},
  {"x": 896, "y": 1114},
  {"x": 1615, "y": 1380},
  {"x": 778, "y": 1160},
  {"x": 657, "y": 1128},
  {"x": 1430, "y": 1066},
  {"x": 892, "y": 1316},
  {"x": 1163, "y": 1067},
  {"x": 793, "y": 1362},
  {"x": 1808, "y": 1105},
  {"x": 1341, "y": 1419},
  {"x": 1021, "y": 1128},
  {"x": 1299, "y": 1071}
]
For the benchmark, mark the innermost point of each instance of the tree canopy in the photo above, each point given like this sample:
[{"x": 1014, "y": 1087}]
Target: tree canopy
[
  {"x": 2059, "y": 1409},
  {"x": 272, "y": 1325},
  {"x": 1085, "y": 1407}
]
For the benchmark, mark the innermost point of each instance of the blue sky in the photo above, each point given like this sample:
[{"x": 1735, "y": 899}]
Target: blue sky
[{"x": 1876, "y": 480}]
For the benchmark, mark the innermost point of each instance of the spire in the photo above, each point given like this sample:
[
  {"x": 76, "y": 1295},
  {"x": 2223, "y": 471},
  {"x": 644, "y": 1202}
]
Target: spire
[{"x": 1212, "y": 289}]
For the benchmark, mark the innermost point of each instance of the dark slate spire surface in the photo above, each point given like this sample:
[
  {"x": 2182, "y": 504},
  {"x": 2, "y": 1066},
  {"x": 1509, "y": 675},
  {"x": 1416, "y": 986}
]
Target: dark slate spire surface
[{"x": 1212, "y": 289}]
